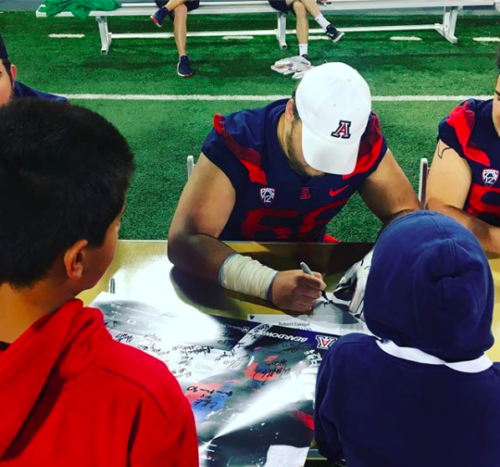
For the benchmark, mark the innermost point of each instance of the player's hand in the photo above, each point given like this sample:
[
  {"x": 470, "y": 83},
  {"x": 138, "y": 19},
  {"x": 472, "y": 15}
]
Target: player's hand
[
  {"x": 297, "y": 291},
  {"x": 353, "y": 284}
]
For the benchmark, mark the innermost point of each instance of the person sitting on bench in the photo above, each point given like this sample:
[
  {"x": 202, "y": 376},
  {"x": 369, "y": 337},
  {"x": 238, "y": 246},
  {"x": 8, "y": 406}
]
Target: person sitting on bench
[
  {"x": 300, "y": 8},
  {"x": 177, "y": 10}
]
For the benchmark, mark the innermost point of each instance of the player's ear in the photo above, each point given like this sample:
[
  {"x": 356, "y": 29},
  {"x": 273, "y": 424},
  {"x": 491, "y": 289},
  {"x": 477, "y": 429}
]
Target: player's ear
[
  {"x": 13, "y": 72},
  {"x": 289, "y": 113}
]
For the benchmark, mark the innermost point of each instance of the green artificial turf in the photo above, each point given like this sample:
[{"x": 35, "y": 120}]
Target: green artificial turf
[
  {"x": 161, "y": 140},
  {"x": 432, "y": 66},
  {"x": 162, "y": 134}
]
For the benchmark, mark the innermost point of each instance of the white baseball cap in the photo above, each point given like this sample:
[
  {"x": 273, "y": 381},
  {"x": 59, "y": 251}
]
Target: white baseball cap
[{"x": 334, "y": 103}]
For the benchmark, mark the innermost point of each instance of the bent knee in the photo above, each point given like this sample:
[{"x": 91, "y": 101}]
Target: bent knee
[
  {"x": 181, "y": 11},
  {"x": 299, "y": 8}
]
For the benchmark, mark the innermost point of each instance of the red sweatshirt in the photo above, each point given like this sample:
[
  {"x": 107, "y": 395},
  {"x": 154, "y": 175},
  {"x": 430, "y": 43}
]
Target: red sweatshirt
[{"x": 71, "y": 396}]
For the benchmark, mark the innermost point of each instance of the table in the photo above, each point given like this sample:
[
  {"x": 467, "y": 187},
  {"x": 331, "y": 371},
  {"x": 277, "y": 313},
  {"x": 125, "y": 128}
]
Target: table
[{"x": 142, "y": 271}]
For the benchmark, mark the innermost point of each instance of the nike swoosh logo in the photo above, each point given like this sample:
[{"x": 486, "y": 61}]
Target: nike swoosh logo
[{"x": 336, "y": 192}]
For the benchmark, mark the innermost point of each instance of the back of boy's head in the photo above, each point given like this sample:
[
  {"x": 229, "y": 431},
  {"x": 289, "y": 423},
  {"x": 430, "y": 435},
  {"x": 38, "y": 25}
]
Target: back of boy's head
[
  {"x": 64, "y": 172},
  {"x": 430, "y": 287}
]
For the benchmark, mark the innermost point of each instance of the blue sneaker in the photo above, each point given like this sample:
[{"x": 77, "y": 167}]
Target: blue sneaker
[
  {"x": 183, "y": 68},
  {"x": 334, "y": 34},
  {"x": 159, "y": 17}
]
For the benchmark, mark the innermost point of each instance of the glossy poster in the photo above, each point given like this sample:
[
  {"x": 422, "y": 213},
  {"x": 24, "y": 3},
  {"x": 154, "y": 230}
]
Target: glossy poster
[{"x": 251, "y": 385}]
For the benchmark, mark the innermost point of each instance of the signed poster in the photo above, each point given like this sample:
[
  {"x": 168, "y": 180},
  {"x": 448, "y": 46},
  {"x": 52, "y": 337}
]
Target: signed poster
[{"x": 251, "y": 385}]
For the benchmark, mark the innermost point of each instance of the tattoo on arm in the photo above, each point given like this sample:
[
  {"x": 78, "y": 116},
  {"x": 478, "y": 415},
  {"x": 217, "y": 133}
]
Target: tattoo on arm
[{"x": 441, "y": 153}]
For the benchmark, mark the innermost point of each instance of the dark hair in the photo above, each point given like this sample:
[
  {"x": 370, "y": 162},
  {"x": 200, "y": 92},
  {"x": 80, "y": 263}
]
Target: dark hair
[
  {"x": 7, "y": 65},
  {"x": 64, "y": 172},
  {"x": 295, "y": 110}
]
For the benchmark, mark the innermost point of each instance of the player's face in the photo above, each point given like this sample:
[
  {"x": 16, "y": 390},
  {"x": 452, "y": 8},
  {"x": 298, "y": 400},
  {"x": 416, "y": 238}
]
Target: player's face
[
  {"x": 496, "y": 107},
  {"x": 6, "y": 85},
  {"x": 295, "y": 153}
]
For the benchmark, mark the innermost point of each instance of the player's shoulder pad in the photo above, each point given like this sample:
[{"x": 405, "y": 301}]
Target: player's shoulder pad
[
  {"x": 371, "y": 149},
  {"x": 463, "y": 119},
  {"x": 371, "y": 136},
  {"x": 244, "y": 137},
  {"x": 245, "y": 127}
]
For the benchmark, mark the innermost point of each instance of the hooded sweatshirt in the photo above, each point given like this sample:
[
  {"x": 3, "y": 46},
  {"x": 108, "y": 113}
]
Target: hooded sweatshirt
[
  {"x": 421, "y": 393},
  {"x": 71, "y": 396}
]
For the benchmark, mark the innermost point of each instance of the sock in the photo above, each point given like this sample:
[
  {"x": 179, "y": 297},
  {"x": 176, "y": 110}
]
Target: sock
[
  {"x": 322, "y": 21},
  {"x": 303, "y": 49}
]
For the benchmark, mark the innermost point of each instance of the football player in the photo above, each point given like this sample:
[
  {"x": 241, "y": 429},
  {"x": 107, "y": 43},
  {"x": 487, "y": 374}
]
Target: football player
[
  {"x": 177, "y": 10},
  {"x": 280, "y": 174},
  {"x": 464, "y": 179},
  {"x": 301, "y": 8},
  {"x": 11, "y": 88}
]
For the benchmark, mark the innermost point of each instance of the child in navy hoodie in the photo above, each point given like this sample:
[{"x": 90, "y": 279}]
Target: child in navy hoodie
[{"x": 421, "y": 393}]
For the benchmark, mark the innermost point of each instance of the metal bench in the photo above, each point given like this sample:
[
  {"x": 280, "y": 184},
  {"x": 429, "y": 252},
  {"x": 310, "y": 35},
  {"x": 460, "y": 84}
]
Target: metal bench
[{"x": 446, "y": 28}]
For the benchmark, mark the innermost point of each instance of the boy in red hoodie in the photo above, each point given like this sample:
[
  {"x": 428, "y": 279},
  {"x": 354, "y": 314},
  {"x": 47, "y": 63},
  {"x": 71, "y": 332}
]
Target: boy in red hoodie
[{"x": 69, "y": 394}]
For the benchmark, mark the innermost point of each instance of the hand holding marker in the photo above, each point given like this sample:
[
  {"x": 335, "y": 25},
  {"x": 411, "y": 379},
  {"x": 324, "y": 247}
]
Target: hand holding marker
[{"x": 308, "y": 271}]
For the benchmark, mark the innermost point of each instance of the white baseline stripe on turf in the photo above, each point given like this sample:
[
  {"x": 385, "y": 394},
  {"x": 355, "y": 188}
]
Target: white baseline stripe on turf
[
  {"x": 269, "y": 98},
  {"x": 487, "y": 39},
  {"x": 66, "y": 36},
  {"x": 167, "y": 97},
  {"x": 426, "y": 98},
  {"x": 406, "y": 38},
  {"x": 238, "y": 38}
]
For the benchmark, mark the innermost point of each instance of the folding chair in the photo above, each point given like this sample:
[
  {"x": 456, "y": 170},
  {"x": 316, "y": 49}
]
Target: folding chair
[
  {"x": 190, "y": 165},
  {"x": 422, "y": 185}
]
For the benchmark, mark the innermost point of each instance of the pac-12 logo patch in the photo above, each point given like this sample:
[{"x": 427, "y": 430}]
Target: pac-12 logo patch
[
  {"x": 490, "y": 176},
  {"x": 343, "y": 131},
  {"x": 267, "y": 195},
  {"x": 325, "y": 342}
]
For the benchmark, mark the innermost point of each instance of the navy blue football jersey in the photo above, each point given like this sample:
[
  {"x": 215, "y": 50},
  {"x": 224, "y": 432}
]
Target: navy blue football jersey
[
  {"x": 21, "y": 90},
  {"x": 273, "y": 202},
  {"x": 470, "y": 131}
]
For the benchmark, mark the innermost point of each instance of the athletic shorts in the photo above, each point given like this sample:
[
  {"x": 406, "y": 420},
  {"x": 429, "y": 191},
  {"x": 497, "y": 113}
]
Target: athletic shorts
[
  {"x": 190, "y": 5},
  {"x": 281, "y": 5}
]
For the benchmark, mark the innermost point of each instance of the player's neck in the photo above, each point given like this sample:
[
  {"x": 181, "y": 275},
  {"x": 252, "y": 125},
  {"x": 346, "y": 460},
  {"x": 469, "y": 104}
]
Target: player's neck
[
  {"x": 20, "y": 308},
  {"x": 281, "y": 135},
  {"x": 497, "y": 128}
]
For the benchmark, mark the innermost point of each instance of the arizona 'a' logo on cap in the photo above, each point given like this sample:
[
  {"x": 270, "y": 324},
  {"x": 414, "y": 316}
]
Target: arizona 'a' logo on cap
[
  {"x": 490, "y": 176},
  {"x": 343, "y": 131},
  {"x": 267, "y": 195},
  {"x": 325, "y": 342}
]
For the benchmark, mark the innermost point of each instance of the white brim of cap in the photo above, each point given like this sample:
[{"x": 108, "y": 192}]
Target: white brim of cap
[{"x": 331, "y": 156}]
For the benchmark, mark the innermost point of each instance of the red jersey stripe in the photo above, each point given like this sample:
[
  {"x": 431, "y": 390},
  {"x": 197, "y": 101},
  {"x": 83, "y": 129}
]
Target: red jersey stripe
[{"x": 249, "y": 157}]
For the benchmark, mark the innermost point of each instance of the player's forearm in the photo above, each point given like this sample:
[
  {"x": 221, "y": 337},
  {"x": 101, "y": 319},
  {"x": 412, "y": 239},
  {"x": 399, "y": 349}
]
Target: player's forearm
[
  {"x": 198, "y": 254},
  {"x": 488, "y": 235}
]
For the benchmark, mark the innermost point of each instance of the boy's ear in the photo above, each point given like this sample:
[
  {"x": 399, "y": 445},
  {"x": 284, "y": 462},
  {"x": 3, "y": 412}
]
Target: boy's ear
[
  {"x": 13, "y": 72},
  {"x": 74, "y": 260}
]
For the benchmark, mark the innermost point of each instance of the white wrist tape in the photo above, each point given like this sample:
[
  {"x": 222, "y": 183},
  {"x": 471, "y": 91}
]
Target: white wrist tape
[{"x": 246, "y": 275}]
